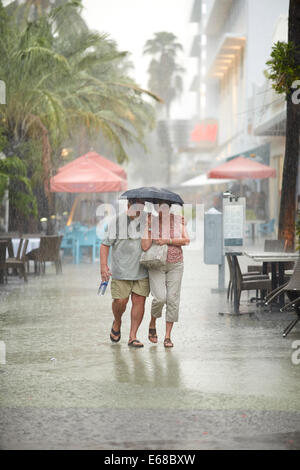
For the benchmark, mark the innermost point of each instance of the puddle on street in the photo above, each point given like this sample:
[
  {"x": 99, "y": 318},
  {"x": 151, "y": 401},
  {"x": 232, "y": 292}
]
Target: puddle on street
[
  {"x": 58, "y": 356},
  {"x": 56, "y": 330}
]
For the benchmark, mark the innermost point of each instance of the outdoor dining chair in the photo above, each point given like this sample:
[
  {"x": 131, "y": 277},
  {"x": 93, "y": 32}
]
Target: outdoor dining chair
[
  {"x": 267, "y": 228},
  {"x": 3, "y": 248},
  {"x": 246, "y": 276},
  {"x": 292, "y": 290},
  {"x": 248, "y": 283},
  {"x": 87, "y": 239},
  {"x": 19, "y": 248},
  {"x": 262, "y": 283},
  {"x": 18, "y": 262},
  {"x": 68, "y": 243},
  {"x": 10, "y": 249},
  {"x": 49, "y": 250}
]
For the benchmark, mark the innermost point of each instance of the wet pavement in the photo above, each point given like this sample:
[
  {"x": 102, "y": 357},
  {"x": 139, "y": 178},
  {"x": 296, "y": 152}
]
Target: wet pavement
[{"x": 229, "y": 382}]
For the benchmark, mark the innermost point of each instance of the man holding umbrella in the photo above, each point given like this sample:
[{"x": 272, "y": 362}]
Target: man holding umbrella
[
  {"x": 165, "y": 281},
  {"x": 129, "y": 277}
]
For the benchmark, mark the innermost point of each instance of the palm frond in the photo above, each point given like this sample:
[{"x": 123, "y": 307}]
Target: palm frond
[{"x": 139, "y": 90}]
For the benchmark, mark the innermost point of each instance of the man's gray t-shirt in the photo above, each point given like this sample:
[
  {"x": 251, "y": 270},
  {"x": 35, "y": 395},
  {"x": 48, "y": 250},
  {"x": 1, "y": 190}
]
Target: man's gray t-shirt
[{"x": 124, "y": 238}]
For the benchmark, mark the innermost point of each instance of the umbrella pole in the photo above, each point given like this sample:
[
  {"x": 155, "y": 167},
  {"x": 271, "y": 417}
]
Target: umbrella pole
[{"x": 72, "y": 211}]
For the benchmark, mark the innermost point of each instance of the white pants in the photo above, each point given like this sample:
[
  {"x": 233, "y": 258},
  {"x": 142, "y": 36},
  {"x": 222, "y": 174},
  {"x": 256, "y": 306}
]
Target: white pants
[{"x": 165, "y": 285}]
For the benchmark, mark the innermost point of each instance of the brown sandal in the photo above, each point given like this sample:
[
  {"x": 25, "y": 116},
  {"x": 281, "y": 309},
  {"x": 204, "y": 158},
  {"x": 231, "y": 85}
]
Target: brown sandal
[
  {"x": 152, "y": 335},
  {"x": 168, "y": 343},
  {"x": 135, "y": 343},
  {"x": 115, "y": 333}
]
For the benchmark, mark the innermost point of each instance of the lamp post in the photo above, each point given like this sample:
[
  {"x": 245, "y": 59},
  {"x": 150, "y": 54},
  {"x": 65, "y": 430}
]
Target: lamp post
[{"x": 44, "y": 223}]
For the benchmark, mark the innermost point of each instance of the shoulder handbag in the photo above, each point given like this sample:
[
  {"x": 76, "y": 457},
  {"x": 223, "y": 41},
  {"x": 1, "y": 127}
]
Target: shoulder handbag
[{"x": 155, "y": 257}]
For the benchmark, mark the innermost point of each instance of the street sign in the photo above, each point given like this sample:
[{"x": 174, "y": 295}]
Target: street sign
[{"x": 233, "y": 222}]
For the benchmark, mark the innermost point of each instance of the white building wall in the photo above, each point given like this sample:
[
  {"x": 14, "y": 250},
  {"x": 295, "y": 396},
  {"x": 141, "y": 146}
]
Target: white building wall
[
  {"x": 255, "y": 20},
  {"x": 236, "y": 21},
  {"x": 262, "y": 19}
]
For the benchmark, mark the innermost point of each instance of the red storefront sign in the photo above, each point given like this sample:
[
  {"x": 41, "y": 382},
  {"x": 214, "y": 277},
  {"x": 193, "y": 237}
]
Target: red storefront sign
[{"x": 205, "y": 132}]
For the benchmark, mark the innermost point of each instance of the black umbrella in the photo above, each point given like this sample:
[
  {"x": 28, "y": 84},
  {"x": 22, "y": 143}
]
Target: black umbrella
[{"x": 152, "y": 194}]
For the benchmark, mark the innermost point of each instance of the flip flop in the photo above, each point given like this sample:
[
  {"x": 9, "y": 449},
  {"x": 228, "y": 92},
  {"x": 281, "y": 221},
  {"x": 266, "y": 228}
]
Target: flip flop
[
  {"x": 168, "y": 343},
  {"x": 152, "y": 335},
  {"x": 115, "y": 333},
  {"x": 135, "y": 343}
]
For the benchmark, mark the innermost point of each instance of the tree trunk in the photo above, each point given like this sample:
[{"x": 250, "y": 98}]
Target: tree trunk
[{"x": 287, "y": 215}]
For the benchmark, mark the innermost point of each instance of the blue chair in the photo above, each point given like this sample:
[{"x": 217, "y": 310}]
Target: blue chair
[
  {"x": 71, "y": 234},
  {"x": 68, "y": 241},
  {"x": 267, "y": 228},
  {"x": 86, "y": 239},
  {"x": 77, "y": 237}
]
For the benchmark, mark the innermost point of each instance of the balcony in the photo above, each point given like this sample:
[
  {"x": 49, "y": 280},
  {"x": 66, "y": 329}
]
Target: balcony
[
  {"x": 217, "y": 14},
  {"x": 225, "y": 52},
  {"x": 196, "y": 47},
  {"x": 196, "y": 84},
  {"x": 269, "y": 116},
  {"x": 196, "y": 14}
]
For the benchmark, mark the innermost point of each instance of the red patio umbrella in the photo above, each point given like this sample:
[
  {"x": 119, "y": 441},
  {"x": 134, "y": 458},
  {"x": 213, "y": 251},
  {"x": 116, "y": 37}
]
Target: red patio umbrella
[
  {"x": 99, "y": 160},
  {"x": 241, "y": 168},
  {"x": 86, "y": 176}
]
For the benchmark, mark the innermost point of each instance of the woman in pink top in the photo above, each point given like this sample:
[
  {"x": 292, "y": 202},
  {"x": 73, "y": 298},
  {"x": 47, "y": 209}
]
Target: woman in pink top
[{"x": 165, "y": 282}]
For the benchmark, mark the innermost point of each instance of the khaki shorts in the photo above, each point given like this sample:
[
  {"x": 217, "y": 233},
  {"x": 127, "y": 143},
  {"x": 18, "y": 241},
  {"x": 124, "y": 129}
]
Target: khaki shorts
[{"x": 121, "y": 289}]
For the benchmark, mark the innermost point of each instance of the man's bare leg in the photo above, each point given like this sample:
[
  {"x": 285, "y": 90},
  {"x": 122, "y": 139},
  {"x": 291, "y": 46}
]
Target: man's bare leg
[
  {"x": 137, "y": 313},
  {"x": 118, "y": 308}
]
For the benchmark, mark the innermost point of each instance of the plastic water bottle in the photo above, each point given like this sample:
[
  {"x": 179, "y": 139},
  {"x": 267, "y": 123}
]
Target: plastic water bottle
[{"x": 102, "y": 288}]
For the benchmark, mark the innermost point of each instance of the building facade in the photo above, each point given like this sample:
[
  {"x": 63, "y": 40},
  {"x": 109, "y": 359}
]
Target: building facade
[{"x": 236, "y": 41}]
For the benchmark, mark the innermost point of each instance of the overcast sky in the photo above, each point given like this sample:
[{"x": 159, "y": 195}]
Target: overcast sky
[{"x": 132, "y": 22}]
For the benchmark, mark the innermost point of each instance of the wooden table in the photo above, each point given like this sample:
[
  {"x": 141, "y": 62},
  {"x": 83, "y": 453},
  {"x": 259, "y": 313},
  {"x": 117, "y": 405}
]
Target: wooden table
[
  {"x": 277, "y": 261},
  {"x": 14, "y": 239},
  {"x": 33, "y": 243}
]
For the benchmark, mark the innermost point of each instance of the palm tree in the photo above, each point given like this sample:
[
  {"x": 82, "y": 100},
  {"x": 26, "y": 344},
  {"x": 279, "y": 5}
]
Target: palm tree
[
  {"x": 32, "y": 10},
  {"x": 58, "y": 82},
  {"x": 165, "y": 73}
]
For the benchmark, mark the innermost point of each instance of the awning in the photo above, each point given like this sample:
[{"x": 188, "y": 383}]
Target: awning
[
  {"x": 241, "y": 168},
  {"x": 259, "y": 154},
  {"x": 274, "y": 126},
  {"x": 203, "y": 180},
  {"x": 86, "y": 176},
  {"x": 99, "y": 160},
  {"x": 225, "y": 53}
]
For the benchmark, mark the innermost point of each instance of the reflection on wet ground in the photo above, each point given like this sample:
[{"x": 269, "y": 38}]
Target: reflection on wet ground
[{"x": 229, "y": 381}]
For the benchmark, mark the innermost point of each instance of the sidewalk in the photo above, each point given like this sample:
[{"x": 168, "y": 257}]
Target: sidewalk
[{"x": 228, "y": 383}]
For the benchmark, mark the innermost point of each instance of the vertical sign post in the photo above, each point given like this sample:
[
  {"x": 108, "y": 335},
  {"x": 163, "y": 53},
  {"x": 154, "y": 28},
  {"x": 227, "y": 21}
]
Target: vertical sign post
[
  {"x": 233, "y": 223},
  {"x": 234, "y": 211}
]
